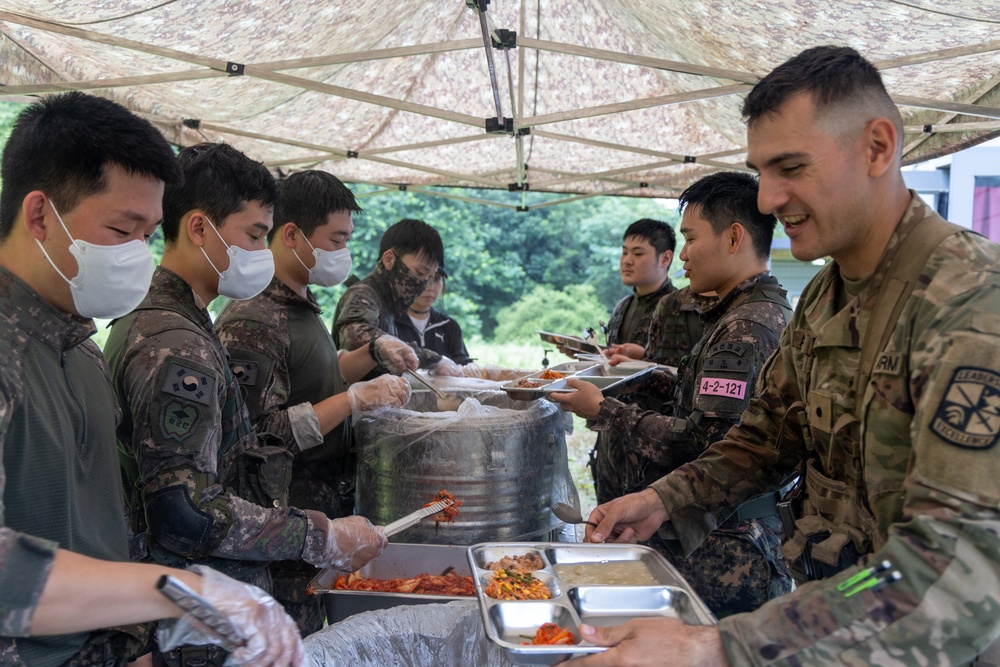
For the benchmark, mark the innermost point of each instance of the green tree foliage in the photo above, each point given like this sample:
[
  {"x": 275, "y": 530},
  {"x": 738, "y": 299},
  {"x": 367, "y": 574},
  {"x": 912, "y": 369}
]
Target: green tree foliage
[{"x": 568, "y": 311}]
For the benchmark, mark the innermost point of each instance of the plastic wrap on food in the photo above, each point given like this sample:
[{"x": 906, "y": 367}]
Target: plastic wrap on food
[
  {"x": 432, "y": 635},
  {"x": 505, "y": 460}
]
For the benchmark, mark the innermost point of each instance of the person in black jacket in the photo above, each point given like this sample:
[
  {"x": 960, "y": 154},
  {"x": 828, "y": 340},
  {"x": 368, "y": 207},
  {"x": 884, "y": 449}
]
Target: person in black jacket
[{"x": 427, "y": 327}]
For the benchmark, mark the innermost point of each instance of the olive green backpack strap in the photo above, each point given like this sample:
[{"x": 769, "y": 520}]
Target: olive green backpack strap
[{"x": 904, "y": 272}]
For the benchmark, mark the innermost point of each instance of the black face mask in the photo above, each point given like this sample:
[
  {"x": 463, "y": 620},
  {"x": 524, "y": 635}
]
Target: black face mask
[{"x": 405, "y": 286}]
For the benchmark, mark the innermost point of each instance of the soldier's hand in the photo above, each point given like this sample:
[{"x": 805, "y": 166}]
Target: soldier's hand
[
  {"x": 350, "y": 543},
  {"x": 635, "y": 516},
  {"x": 630, "y": 350},
  {"x": 446, "y": 367},
  {"x": 568, "y": 351},
  {"x": 654, "y": 641},
  {"x": 394, "y": 355},
  {"x": 385, "y": 390},
  {"x": 272, "y": 637},
  {"x": 585, "y": 401}
]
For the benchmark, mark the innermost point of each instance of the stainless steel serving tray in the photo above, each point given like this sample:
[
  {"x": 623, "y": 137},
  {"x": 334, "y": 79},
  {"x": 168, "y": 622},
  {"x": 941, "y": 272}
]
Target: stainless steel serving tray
[
  {"x": 611, "y": 380},
  {"x": 571, "y": 342},
  {"x": 397, "y": 561},
  {"x": 508, "y": 623}
]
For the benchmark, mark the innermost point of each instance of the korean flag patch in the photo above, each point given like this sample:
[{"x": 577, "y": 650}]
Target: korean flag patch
[{"x": 969, "y": 413}]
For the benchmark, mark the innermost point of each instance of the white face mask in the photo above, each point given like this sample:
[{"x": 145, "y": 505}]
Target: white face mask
[
  {"x": 249, "y": 272},
  {"x": 112, "y": 279},
  {"x": 331, "y": 267}
]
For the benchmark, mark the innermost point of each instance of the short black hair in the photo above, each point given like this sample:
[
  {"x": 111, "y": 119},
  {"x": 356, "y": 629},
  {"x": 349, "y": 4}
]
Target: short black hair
[
  {"x": 218, "y": 180},
  {"x": 416, "y": 237},
  {"x": 838, "y": 78},
  {"x": 308, "y": 198},
  {"x": 63, "y": 145},
  {"x": 658, "y": 234},
  {"x": 726, "y": 197}
]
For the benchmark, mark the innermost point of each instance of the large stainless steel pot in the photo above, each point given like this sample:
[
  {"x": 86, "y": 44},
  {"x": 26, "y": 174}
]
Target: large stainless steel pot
[{"x": 504, "y": 460}]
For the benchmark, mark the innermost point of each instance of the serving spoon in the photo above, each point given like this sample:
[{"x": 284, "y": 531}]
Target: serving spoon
[
  {"x": 569, "y": 514},
  {"x": 445, "y": 402}
]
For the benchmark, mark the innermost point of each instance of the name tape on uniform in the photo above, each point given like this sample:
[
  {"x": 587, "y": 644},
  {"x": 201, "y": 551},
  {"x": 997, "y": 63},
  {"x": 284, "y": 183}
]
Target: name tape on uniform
[{"x": 723, "y": 387}]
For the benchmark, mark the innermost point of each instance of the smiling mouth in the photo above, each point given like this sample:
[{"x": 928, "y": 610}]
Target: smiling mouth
[{"x": 792, "y": 221}]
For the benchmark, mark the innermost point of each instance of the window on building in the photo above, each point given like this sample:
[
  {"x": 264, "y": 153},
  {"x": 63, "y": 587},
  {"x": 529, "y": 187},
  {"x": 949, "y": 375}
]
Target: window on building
[{"x": 986, "y": 207}]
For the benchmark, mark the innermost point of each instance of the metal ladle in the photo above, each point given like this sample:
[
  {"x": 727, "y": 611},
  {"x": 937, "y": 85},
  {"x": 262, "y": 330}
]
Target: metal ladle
[{"x": 446, "y": 402}]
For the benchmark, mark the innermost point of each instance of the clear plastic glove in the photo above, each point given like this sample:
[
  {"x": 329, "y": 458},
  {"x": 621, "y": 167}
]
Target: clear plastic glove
[
  {"x": 394, "y": 355},
  {"x": 272, "y": 636},
  {"x": 446, "y": 367},
  {"x": 350, "y": 543},
  {"x": 385, "y": 390}
]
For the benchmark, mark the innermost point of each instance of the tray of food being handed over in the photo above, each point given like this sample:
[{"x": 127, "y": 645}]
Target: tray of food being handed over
[
  {"x": 535, "y": 596},
  {"x": 611, "y": 380}
]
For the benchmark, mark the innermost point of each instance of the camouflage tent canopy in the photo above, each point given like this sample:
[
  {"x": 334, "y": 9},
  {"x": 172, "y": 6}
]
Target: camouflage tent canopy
[{"x": 628, "y": 97}]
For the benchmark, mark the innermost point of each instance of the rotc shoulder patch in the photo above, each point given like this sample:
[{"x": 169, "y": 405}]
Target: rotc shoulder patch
[
  {"x": 178, "y": 419},
  {"x": 189, "y": 383},
  {"x": 969, "y": 413}
]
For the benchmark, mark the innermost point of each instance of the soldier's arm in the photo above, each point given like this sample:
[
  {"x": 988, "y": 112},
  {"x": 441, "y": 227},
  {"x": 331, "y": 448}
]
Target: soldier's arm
[
  {"x": 658, "y": 437},
  {"x": 946, "y": 545},
  {"x": 258, "y": 358},
  {"x": 176, "y": 409},
  {"x": 358, "y": 316}
]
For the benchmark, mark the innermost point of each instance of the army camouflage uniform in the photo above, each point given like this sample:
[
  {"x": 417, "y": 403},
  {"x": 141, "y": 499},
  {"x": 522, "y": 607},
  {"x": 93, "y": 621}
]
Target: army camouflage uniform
[
  {"x": 672, "y": 314},
  {"x": 286, "y": 362},
  {"x": 372, "y": 306},
  {"x": 920, "y": 467},
  {"x": 739, "y": 566},
  {"x": 59, "y": 480},
  {"x": 212, "y": 494}
]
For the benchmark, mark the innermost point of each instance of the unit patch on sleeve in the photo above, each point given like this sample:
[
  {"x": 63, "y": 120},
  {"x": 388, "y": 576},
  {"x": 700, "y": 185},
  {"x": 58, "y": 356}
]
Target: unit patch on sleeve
[
  {"x": 188, "y": 383},
  {"x": 178, "y": 419},
  {"x": 969, "y": 413}
]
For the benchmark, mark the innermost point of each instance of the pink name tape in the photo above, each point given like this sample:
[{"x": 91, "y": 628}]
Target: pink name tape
[{"x": 723, "y": 387}]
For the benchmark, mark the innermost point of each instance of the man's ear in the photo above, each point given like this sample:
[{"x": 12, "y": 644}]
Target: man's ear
[
  {"x": 388, "y": 258},
  {"x": 33, "y": 212},
  {"x": 881, "y": 145},
  {"x": 195, "y": 224},
  {"x": 737, "y": 233},
  {"x": 288, "y": 233},
  {"x": 666, "y": 259}
]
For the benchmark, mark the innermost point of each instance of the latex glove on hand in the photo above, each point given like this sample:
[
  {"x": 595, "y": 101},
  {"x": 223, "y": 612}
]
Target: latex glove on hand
[
  {"x": 350, "y": 543},
  {"x": 272, "y": 636},
  {"x": 446, "y": 367},
  {"x": 385, "y": 390},
  {"x": 394, "y": 355}
]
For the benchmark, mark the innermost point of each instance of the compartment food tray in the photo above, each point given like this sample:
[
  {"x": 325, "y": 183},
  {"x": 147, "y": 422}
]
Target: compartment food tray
[
  {"x": 508, "y": 623},
  {"x": 397, "y": 561},
  {"x": 570, "y": 342},
  {"x": 611, "y": 380}
]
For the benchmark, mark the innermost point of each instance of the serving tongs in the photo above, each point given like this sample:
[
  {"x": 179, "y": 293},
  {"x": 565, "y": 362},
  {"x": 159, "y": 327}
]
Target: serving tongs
[
  {"x": 414, "y": 518},
  {"x": 446, "y": 402}
]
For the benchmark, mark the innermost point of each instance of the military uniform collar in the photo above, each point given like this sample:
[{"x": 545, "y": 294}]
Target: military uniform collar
[
  {"x": 666, "y": 288},
  {"x": 171, "y": 292},
  {"x": 26, "y": 308},
  {"x": 281, "y": 293},
  {"x": 719, "y": 308}
]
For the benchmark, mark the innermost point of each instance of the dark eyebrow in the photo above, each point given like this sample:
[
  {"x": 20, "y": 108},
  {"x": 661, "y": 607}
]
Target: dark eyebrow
[
  {"x": 261, "y": 226},
  {"x": 780, "y": 157},
  {"x": 685, "y": 230}
]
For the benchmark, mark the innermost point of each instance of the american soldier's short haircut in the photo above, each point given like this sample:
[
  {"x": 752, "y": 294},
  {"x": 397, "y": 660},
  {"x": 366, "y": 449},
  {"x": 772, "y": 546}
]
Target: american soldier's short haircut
[
  {"x": 658, "y": 234},
  {"x": 416, "y": 237},
  {"x": 308, "y": 198},
  {"x": 847, "y": 89},
  {"x": 726, "y": 197},
  {"x": 218, "y": 180},
  {"x": 63, "y": 144}
]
